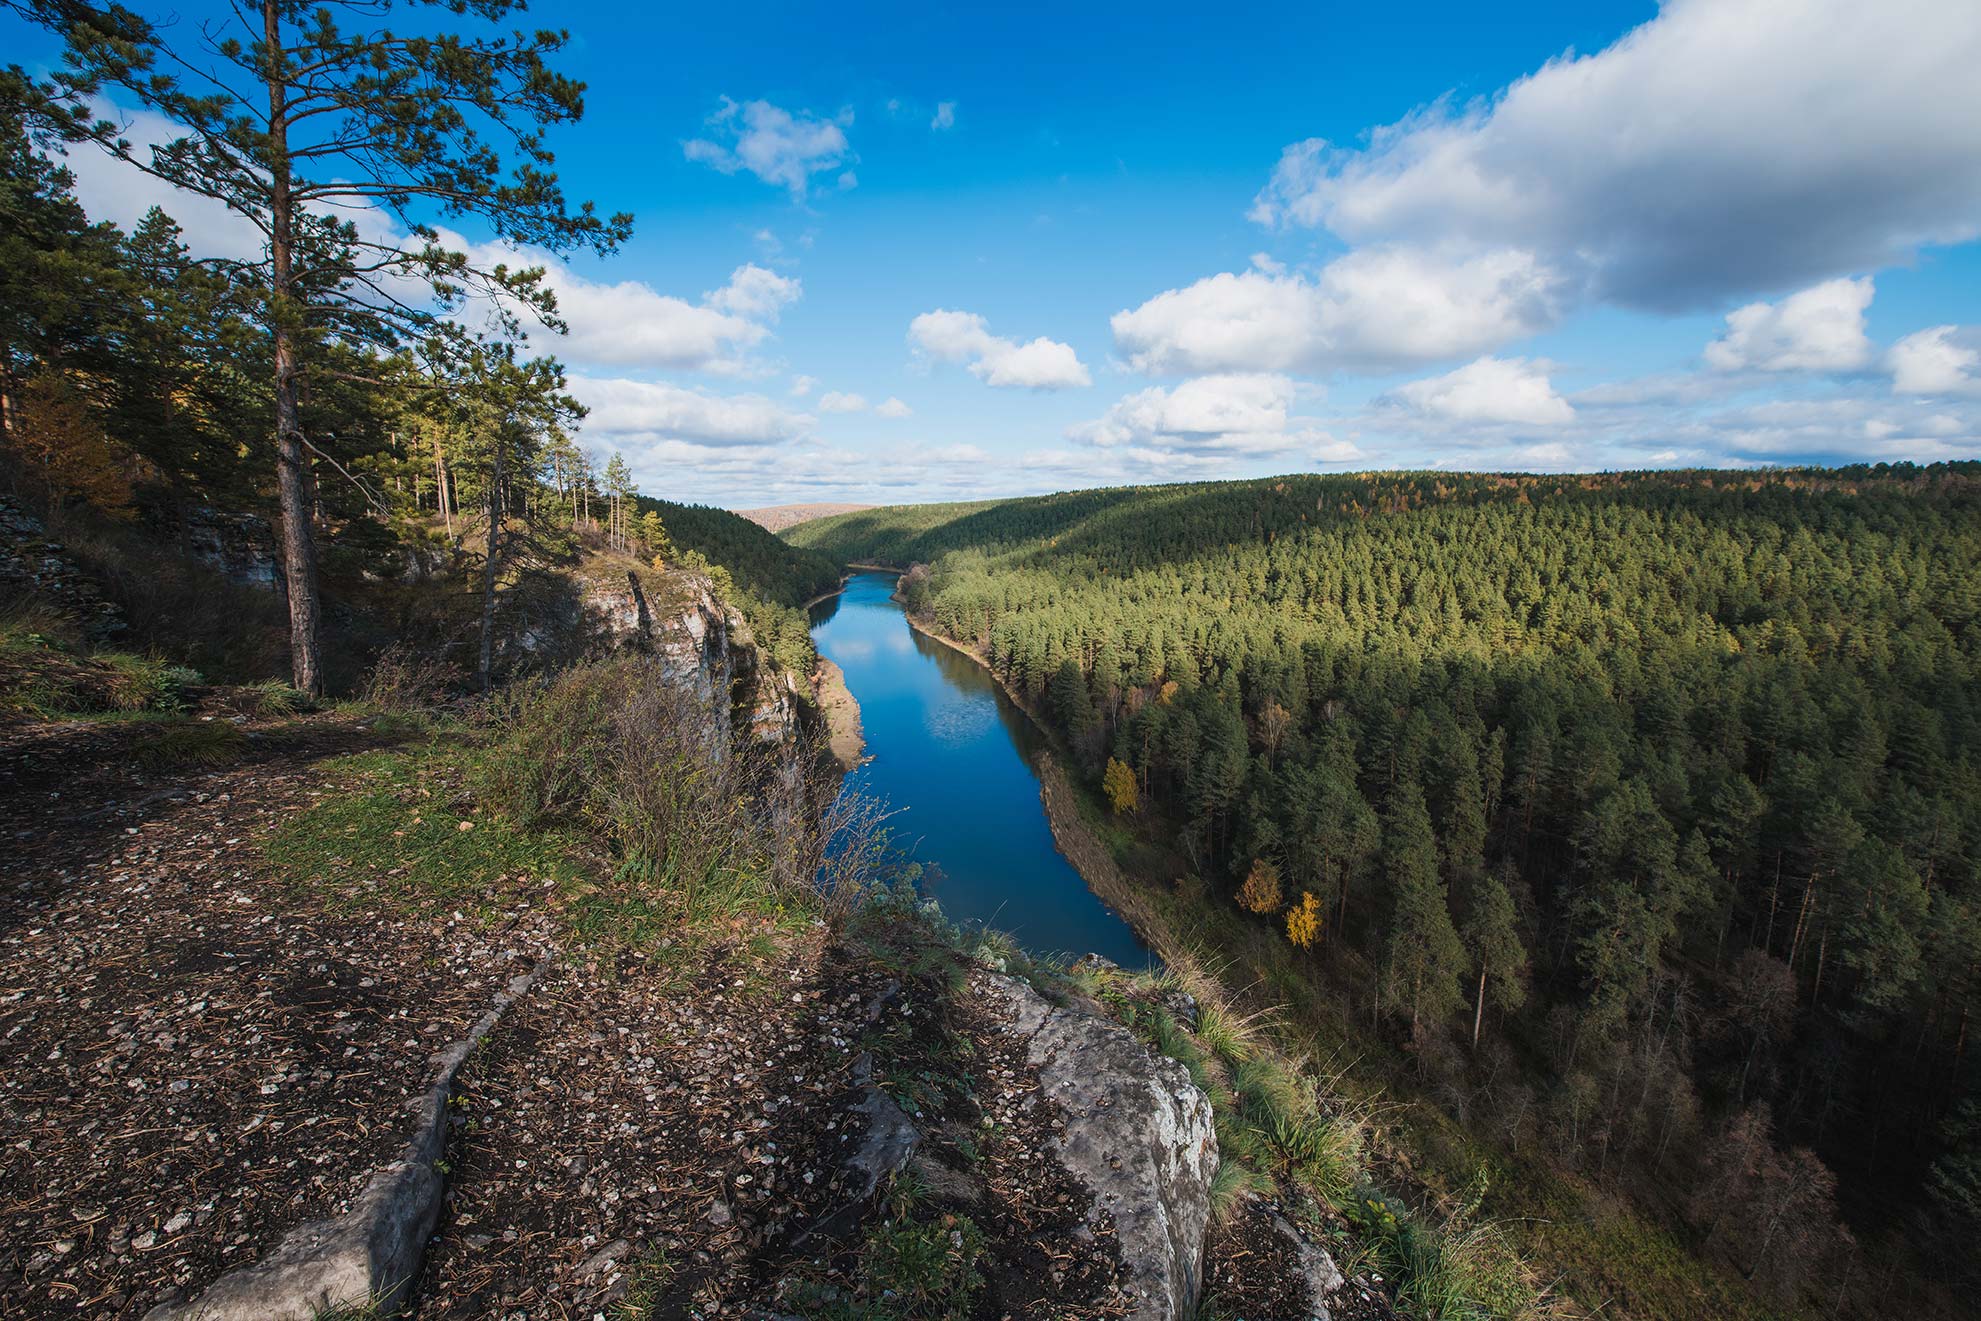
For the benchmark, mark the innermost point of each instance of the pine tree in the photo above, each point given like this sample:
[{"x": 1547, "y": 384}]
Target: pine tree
[
  {"x": 1492, "y": 939},
  {"x": 1425, "y": 958},
  {"x": 317, "y": 120}
]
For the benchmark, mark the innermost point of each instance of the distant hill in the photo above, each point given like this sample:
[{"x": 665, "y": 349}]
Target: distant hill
[{"x": 779, "y": 517}]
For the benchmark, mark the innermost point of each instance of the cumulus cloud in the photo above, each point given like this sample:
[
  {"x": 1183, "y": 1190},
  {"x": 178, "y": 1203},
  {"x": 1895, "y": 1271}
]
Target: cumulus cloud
[
  {"x": 1221, "y": 417},
  {"x": 121, "y": 194},
  {"x": 803, "y": 385},
  {"x": 1725, "y": 147},
  {"x": 624, "y": 410},
  {"x": 1041, "y": 364},
  {"x": 944, "y": 117},
  {"x": 1935, "y": 362},
  {"x": 1376, "y": 309},
  {"x": 775, "y": 145},
  {"x": 630, "y": 324},
  {"x": 1820, "y": 329},
  {"x": 1490, "y": 390},
  {"x": 837, "y": 401},
  {"x": 892, "y": 407}
]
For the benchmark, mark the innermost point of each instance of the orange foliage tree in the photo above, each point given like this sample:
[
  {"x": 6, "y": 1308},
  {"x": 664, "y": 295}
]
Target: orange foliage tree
[
  {"x": 62, "y": 450},
  {"x": 1260, "y": 893}
]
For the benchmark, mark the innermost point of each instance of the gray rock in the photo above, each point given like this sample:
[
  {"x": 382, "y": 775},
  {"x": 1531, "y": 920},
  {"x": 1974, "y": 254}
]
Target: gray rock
[
  {"x": 604, "y": 1260},
  {"x": 888, "y": 1138},
  {"x": 1138, "y": 1136}
]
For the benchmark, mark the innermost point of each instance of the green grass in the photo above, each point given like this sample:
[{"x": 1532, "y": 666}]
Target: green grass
[
  {"x": 401, "y": 828},
  {"x": 914, "y": 1264},
  {"x": 647, "y": 1292},
  {"x": 39, "y": 676}
]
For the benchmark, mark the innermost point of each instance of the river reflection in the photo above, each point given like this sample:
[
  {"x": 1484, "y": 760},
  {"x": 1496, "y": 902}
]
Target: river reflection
[{"x": 954, "y": 753}]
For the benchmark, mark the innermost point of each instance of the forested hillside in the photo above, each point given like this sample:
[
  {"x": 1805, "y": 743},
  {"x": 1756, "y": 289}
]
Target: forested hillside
[{"x": 1642, "y": 810}]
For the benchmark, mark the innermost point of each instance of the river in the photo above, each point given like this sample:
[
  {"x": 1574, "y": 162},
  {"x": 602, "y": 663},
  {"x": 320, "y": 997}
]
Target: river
[{"x": 950, "y": 751}]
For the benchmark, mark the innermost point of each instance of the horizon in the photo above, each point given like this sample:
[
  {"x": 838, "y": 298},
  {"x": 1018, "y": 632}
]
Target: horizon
[{"x": 907, "y": 257}]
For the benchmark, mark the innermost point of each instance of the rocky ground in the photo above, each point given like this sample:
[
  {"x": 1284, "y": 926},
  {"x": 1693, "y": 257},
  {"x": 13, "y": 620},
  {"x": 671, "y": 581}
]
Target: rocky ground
[
  {"x": 193, "y": 1058},
  {"x": 708, "y": 1154},
  {"x": 200, "y": 1051}
]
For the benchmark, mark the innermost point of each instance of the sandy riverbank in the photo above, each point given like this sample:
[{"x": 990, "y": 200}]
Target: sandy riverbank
[{"x": 842, "y": 715}]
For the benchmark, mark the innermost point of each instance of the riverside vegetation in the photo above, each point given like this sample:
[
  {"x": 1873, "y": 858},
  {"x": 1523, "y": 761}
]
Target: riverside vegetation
[{"x": 1626, "y": 824}]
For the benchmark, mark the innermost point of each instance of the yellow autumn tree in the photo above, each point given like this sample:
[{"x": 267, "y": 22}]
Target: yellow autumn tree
[
  {"x": 1303, "y": 921},
  {"x": 1119, "y": 783},
  {"x": 1260, "y": 893},
  {"x": 61, "y": 448}
]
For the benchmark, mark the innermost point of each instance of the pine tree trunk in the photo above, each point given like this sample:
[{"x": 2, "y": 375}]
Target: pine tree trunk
[
  {"x": 488, "y": 569},
  {"x": 292, "y": 471},
  {"x": 1479, "y": 1012},
  {"x": 440, "y": 478}
]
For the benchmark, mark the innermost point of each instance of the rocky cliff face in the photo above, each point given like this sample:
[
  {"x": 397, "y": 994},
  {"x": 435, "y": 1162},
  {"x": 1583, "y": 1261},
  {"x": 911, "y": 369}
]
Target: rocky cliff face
[{"x": 705, "y": 646}]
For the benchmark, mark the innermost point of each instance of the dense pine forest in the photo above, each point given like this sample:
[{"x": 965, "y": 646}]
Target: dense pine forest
[{"x": 1642, "y": 811}]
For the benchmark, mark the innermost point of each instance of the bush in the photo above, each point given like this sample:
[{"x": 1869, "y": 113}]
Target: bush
[{"x": 623, "y": 750}]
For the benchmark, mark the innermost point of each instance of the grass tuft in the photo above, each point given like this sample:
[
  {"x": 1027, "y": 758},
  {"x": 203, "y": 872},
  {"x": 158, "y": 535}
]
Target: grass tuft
[
  {"x": 178, "y": 742},
  {"x": 1232, "y": 1183}
]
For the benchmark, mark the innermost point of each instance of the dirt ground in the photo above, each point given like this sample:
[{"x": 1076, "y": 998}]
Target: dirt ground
[{"x": 194, "y": 1059}]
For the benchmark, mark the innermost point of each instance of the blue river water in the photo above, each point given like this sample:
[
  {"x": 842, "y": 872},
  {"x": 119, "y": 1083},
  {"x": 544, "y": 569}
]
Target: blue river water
[{"x": 952, "y": 753}]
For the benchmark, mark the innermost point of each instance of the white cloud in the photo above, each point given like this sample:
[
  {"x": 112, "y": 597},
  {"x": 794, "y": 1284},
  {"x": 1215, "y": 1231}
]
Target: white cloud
[
  {"x": 1934, "y": 362},
  {"x": 1376, "y": 309},
  {"x": 1550, "y": 455},
  {"x": 836, "y": 401},
  {"x": 647, "y": 411},
  {"x": 629, "y": 324},
  {"x": 775, "y": 145},
  {"x": 755, "y": 292},
  {"x": 803, "y": 385},
  {"x": 1820, "y": 329},
  {"x": 1210, "y": 418},
  {"x": 121, "y": 194},
  {"x": 1725, "y": 147},
  {"x": 892, "y": 407},
  {"x": 1490, "y": 390},
  {"x": 945, "y": 116},
  {"x": 1041, "y": 364}
]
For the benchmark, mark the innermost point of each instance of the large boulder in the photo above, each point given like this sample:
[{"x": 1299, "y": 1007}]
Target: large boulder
[{"x": 1138, "y": 1135}]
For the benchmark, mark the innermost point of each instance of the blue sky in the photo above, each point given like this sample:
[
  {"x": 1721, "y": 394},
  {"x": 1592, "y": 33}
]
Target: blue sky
[{"x": 900, "y": 253}]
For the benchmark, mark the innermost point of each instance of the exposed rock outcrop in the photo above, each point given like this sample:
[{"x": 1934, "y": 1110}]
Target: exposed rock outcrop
[
  {"x": 33, "y": 565},
  {"x": 1317, "y": 1270},
  {"x": 1138, "y": 1135},
  {"x": 241, "y": 547},
  {"x": 705, "y": 646}
]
